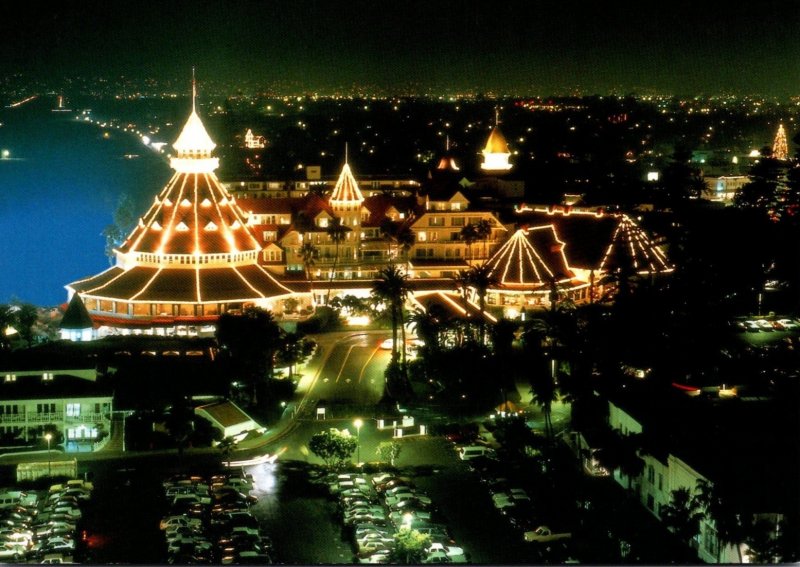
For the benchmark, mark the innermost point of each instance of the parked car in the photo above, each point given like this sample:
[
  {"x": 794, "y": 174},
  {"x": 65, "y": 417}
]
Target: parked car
[{"x": 544, "y": 534}]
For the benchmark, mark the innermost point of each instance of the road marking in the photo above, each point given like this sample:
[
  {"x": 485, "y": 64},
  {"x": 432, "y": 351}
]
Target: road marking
[
  {"x": 364, "y": 368},
  {"x": 344, "y": 362}
]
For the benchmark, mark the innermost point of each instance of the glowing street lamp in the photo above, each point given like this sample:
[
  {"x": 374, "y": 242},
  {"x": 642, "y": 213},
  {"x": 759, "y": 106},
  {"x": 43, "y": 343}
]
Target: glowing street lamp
[
  {"x": 48, "y": 437},
  {"x": 358, "y": 423}
]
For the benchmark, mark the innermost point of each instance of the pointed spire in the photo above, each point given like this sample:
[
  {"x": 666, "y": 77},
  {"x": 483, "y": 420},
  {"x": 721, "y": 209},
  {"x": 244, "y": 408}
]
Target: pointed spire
[
  {"x": 345, "y": 153},
  {"x": 447, "y": 143},
  {"x": 496, "y": 117},
  {"x": 194, "y": 91}
]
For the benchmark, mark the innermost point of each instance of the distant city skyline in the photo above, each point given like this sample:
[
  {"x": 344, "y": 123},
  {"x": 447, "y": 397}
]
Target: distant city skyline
[{"x": 517, "y": 47}]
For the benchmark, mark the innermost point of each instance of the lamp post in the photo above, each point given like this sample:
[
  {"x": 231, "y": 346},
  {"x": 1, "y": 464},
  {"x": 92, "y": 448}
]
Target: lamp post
[
  {"x": 358, "y": 423},
  {"x": 48, "y": 437}
]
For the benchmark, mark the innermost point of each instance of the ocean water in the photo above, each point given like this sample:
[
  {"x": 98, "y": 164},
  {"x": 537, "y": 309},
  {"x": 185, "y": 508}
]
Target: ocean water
[{"x": 59, "y": 187}]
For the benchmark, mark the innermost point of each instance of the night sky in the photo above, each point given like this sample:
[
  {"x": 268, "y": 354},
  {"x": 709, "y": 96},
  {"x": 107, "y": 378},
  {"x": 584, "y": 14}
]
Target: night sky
[{"x": 515, "y": 46}]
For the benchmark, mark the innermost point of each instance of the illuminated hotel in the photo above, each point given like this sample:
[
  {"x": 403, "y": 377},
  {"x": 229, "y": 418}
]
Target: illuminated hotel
[
  {"x": 191, "y": 257},
  {"x": 199, "y": 252}
]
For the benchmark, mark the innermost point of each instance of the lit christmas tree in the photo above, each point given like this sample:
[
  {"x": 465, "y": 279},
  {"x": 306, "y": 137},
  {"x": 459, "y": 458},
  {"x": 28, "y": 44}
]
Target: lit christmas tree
[{"x": 780, "y": 149}]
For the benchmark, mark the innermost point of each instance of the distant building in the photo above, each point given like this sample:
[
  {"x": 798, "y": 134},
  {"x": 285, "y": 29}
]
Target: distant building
[
  {"x": 78, "y": 408},
  {"x": 725, "y": 188},
  {"x": 254, "y": 142}
]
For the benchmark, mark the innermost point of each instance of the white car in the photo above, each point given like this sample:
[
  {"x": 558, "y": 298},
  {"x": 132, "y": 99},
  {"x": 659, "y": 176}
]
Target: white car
[
  {"x": 510, "y": 494},
  {"x": 456, "y": 554},
  {"x": 421, "y": 503},
  {"x": 399, "y": 496},
  {"x": 370, "y": 547},
  {"x": 12, "y": 552},
  {"x": 387, "y": 344},
  {"x": 399, "y": 518},
  {"x": 788, "y": 323},
  {"x": 179, "y": 521},
  {"x": 379, "y": 557},
  {"x": 397, "y": 489}
]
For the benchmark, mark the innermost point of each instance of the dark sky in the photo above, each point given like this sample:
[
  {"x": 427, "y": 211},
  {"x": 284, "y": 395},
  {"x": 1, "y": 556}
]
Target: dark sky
[{"x": 538, "y": 47}]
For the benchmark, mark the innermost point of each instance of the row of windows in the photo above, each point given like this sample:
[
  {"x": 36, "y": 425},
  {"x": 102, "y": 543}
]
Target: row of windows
[
  {"x": 192, "y": 259},
  {"x": 155, "y": 309},
  {"x": 455, "y": 221}
]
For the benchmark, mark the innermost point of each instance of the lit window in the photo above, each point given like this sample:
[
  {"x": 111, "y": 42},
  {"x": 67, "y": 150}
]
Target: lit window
[{"x": 73, "y": 410}]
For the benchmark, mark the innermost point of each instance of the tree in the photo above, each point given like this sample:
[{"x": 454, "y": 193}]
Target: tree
[
  {"x": 481, "y": 278},
  {"x": 334, "y": 447},
  {"x": 124, "y": 221},
  {"x": 762, "y": 544},
  {"x": 514, "y": 435},
  {"x": 178, "y": 420},
  {"x": 250, "y": 340},
  {"x": 543, "y": 390},
  {"x": 483, "y": 230},
  {"x": 389, "y": 451},
  {"x": 226, "y": 446},
  {"x": 761, "y": 193},
  {"x": 336, "y": 232},
  {"x": 410, "y": 547},
  {"x": 25, "y": 318},
  {"x": 680, "y": 181},
  {"x": 293, "y": 349},
  {"x": 719, "y": 507},
  {"x": 7, "y": 317},
  {"x": 469, "y": 234},
  {"x": 391, "y": 288},
  {"x": 309, "y": 253},
  {"x": 682, "y": 515}
]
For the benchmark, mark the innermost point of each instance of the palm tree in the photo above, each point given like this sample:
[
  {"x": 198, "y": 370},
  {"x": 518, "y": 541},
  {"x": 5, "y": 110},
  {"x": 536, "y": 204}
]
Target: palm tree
[
  {"x": 483, "y": 230},
  {"x": 391, "y": 288},
  {"x": 682, "y": 515},
  {"x": 336, "y": 232},
  {"x": 469, "y": 234},
  {"x": 309, "y": 253},
  {"x": 481, "y": 278},
  {"x": 543, "y": 390},
  {"x": 462, "y": 280},
  {"x": 719, "y": 507}
]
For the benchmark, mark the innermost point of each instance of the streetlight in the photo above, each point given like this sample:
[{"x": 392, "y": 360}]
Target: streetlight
[
  {"x": 48, "y": 437},
  {"x": 358, "y": 423}
]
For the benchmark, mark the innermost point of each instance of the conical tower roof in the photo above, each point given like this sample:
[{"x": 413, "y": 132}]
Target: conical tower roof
[
  {"x": 76, "y": 316},
  {"x": 193, "y": 214},
  {"x": 193, "y": 245},
  {"x": 496, "y": 144},
  {"x": 630, "y": 248},
  {"x": 194, "y": 138},
  {"x": 530, "y": 258},
  {"x": 346, "y": 190}
]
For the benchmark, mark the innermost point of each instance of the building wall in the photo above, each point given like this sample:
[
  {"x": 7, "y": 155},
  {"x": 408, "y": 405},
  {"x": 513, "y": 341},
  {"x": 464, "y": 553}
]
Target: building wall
[{"x": 76, "y": 418}]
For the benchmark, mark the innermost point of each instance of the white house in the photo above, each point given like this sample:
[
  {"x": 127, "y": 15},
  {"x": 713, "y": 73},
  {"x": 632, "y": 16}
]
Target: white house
[{"x": 79, "y": 408}]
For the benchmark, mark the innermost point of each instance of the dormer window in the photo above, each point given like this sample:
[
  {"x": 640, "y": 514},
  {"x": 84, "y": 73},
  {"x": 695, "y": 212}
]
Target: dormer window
[
  {"x": 323, "y": 222},
  {"x": 11, "y": 378},
  {"x": 47, "y": 376},
  {"x": 181, "y": 227}
]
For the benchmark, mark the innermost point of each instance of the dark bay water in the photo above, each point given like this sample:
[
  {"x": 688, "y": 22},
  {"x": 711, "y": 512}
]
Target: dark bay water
[{"x": 58, "y": 190}]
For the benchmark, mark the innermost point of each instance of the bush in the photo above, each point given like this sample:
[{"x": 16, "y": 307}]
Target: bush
[{"x": 325, "y": 319}]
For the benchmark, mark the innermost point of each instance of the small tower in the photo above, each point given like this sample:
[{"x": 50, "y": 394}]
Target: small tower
[
  {"x": 780, "y": 149},
  {"x": 496, "y": 152},
  {"x": 347, "y": 198}
]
